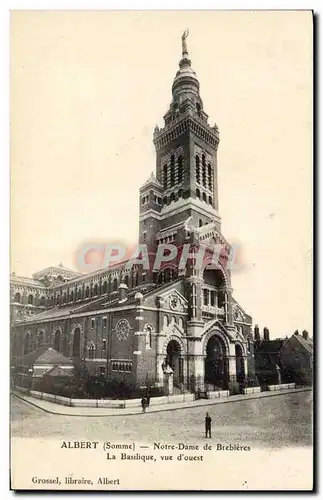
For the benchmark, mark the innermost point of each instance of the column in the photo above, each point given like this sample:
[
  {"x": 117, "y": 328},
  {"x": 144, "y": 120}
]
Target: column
[
  {"x": 136, "y": 355},
  {"x": 216, "y": 303},
  {"x": 245, "y": 362},
  {"x": 229, "y": 306},
  {"x": 226, "y": 312},
  {"x": 193, "y": 295},
  {"x": 195, "y": 365},
  {"x": 233, "y": 385}
]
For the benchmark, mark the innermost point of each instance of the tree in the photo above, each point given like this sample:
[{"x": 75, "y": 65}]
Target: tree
[{"x": 81, "y": 376}]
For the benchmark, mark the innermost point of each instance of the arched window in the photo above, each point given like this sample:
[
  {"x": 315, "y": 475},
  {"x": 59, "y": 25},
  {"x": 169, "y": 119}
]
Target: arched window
[
  {"x": 71, "y": 296},
  {"x": 160, "y": 278},
  {"x": 79, "y": 294},
  {"x": 42, "y": 301},
  {"x": 167, "y": 275},
  {"x": 212, "y": 298},
  {"x": 165, "y": 176},
  {"x": 198, "y": 194},
  {"x": 40, "y": 338},
  {"x": 105, "y": 287},
  {"x": 57, "y": 340},
  {"x": 95, "y": 290},
  {"x": 126, "y": 280},
  {"x": 181, "y": 323},
  {"x": 197, "y": 169},
  {"x": 17, "y": 297},
  {"x": 210, "y": 200},
  {"x": 204, "y": 197},
  {"x": 180, "y": 193},
  {"x": 165, "y": 200},
  {"x": 30, "y": 299},
  {"x": 172, "y": 197},
  {"x": 203, "y": 160},
  {"x": 64, "y": 297},
  {"x": 77, "y": 342},
  {"x": 200, "y": 222},
  {"x": 148, "y": 336},
  {"x": 180, "y": 168},
  {"x": 198, "y": 108},
  {"x": 209, "y": 173},
  {"x": 91, "y": 351},
  {"x": 204, "y": 176},
  {"x": 172, "y": 170},
  {"x": 205, "y": 297},
  {"x": 115, "y": 285},
  {"x": 166, "y": 321},
  {"x": 87, "y": 292}
]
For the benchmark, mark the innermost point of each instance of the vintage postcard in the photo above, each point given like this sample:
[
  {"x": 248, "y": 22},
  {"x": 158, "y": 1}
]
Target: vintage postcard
[{"x": 161, "y": 332}]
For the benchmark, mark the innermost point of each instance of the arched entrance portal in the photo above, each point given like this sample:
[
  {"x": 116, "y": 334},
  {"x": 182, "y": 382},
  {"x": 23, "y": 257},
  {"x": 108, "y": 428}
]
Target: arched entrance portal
[
  {"x": 216, "y": 363},
  {"x": 77, "y": 343},
  {"x": 175, "y": 361},
  {"x": 239, "y": 364}
]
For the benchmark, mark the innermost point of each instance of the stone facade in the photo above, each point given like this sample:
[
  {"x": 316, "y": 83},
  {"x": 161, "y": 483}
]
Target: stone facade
[{"x": 139, "y": 322}]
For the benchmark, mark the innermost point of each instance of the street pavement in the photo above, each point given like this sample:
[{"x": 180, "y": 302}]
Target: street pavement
[{"x": 274, "y": 422}]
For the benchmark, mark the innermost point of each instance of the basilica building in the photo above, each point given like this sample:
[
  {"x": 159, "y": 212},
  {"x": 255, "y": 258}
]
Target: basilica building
[{"x": 134, "y": 321}]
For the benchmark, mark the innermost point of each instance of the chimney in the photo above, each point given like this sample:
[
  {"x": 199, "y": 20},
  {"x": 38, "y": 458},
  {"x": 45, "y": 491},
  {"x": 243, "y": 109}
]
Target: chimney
[
  {"x": 266, "y": 333},
  {"x": 296, "y": 332},
  {"x": 256, "y": 332},
  {"x": 305, "y": 334}
]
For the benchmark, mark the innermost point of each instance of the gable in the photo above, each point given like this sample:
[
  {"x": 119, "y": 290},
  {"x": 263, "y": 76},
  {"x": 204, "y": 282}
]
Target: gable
[
  {"x": 173, "y": 300},
  {"x": 156, "y": 297},
  {"x": 239, "y": 314}
]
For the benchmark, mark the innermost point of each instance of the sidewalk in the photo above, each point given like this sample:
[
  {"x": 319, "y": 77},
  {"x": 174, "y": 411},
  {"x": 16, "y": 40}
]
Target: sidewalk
[{"x": 57, "y": 409}]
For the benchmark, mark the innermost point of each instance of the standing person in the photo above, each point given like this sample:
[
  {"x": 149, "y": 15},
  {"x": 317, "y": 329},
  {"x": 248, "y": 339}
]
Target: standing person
[
  {"x": 148, "y": 396},
  {"x": 143, "y": 404},
  {"x": 208, "y": 423}
]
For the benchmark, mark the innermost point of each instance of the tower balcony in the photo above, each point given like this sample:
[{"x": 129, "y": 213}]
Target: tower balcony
[{"x": 213, "y": 311}]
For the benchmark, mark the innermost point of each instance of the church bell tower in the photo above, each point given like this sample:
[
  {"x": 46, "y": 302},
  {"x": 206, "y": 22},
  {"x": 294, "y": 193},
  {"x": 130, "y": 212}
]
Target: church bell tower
[{"x": 186, "y": 153}]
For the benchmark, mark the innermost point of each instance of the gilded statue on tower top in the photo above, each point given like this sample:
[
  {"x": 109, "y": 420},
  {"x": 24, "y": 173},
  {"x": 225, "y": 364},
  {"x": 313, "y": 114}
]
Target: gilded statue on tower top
[{"x": 184, "y": 44}]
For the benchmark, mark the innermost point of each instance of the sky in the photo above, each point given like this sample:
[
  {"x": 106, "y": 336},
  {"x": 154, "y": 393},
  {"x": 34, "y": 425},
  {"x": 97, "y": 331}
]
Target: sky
[{"x": 88, "y": 88}]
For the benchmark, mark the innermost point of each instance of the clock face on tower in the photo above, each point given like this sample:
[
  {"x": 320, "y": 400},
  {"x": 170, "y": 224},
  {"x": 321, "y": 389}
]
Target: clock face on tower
[{"x": 122, "y": 329}]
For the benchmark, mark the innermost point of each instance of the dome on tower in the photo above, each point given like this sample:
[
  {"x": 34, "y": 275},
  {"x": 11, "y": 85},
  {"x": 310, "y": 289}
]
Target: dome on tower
[
  {"x": 185, "y": 91},
  {"x": 185, "y": 79}
]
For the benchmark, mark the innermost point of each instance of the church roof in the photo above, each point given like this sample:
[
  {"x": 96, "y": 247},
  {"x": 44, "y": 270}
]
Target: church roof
[
  {"x": 24, "y": 280},
  {"x": 44, "y": 355},
  {"x": 269, "y": 346},
  {"x": 58, "y": 371},
  {"x": 152, "y": 180},
  {"x": 57, "y": 270},
  {"x": 306, "y": 343}
]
